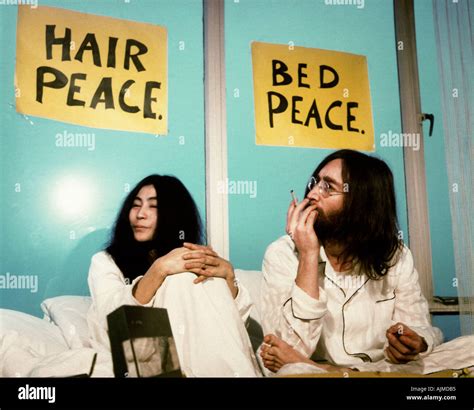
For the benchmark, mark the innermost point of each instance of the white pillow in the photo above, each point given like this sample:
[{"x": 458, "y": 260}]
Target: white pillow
[
  {"x": 69, "y": 313},
  {"x": 31, "y": 332}
]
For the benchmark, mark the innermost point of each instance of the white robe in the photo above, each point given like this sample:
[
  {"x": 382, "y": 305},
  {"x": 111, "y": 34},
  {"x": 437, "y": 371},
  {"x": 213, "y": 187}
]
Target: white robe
[
  {"x": 346, "y": 325},
  {"x": 207, "y": 324}
]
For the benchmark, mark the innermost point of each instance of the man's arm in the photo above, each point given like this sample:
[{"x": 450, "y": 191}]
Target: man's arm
[
  {"x": 404, "y": 344},
  {"x": 300, "y": 225},
  {"x": 288, "y": 311},
  {"x": 412, "y": 333}
]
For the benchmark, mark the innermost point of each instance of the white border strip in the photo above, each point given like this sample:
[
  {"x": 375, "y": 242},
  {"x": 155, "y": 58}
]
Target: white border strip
[{"x": 216, "y": 127}]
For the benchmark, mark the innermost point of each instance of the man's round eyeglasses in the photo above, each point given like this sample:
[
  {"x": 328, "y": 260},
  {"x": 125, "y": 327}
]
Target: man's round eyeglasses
[{"x": 324, "y": 188}]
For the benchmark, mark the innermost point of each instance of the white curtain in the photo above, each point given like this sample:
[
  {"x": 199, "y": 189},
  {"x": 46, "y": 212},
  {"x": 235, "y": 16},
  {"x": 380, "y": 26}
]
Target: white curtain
[{"x": 454, "y": 25}]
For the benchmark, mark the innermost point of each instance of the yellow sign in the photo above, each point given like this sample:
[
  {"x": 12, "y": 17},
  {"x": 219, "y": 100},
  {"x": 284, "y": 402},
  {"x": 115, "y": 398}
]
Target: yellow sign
[
  {"x": 91, "y": 70},
  {"x": 307, "y": 97}
]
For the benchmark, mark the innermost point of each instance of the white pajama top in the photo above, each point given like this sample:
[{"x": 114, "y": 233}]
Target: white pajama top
[
  {"x": 347, "y": 324},
  {"x": 207, "y": 323}
]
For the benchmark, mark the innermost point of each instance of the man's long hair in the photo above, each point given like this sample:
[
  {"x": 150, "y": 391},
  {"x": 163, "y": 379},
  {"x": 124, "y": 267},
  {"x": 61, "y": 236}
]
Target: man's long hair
[
  {"x": 368, "y": 228},
  {"x": 178, "y": 221}
]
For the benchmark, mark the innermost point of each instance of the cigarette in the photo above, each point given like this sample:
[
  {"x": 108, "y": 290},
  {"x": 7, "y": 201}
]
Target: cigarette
[{"x": 295, "y": 200}]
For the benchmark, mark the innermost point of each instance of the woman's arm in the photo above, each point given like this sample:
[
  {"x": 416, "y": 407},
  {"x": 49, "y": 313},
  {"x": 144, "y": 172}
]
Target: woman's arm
[
  {"x": 108, "y": 287},
  {"x": 147, "y": 286},
  {"x": 169, "y": 264},
  {"x": 206, "y": 263}
]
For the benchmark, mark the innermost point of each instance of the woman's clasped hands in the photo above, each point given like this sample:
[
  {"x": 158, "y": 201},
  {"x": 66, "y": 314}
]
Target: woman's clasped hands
[{"x": 199, "y": 259}]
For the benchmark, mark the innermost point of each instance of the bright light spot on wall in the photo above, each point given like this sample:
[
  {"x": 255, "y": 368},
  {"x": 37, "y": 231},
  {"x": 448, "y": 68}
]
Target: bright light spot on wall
[{"x": 73, "y": 196}]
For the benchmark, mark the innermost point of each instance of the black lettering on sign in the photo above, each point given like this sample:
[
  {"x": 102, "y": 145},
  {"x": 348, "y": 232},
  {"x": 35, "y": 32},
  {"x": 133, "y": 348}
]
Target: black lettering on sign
[
  {"x": 294, "y": 111},
  {"x": 133, "y": 51},
  {"x": 142, "y": 49},
  {"x": 111, "y": 55},
  {"x": 279, "y": 68},
  {"x": 314, "y": 113},
  {"x": 323, "y": 69},
  {"x": 105, "y": 89},
  {"x": 65, "y": 41},
  {"x": 89, "y": 44},
  {"x": 350, "y": 117},
  {"x": 59, "y": 81},
  {"x": 328, "y": 121},
  {"x": 73, "y": 88},
  {"x": 123, "y": 105},
  {"x": 309, "y": 113},
  {"x": 282, "y": 105},
  {"x": 302, "y": 75},
  {"x": 150, "y": 85}
]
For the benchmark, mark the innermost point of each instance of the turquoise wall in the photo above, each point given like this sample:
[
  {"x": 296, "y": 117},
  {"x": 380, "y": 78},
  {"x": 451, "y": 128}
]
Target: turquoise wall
[
  {"x": 256, "y": 222},
  {"x": 38, "y": 237},
  {"x": 41, "y": 234}
]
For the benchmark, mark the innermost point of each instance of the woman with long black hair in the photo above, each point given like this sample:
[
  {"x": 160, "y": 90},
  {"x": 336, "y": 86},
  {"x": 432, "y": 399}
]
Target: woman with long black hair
[{"x": 156, "y": 258}]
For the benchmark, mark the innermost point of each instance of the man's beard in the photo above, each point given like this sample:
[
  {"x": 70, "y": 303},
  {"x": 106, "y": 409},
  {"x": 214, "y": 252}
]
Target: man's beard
[{"x": 328, "y": 228}]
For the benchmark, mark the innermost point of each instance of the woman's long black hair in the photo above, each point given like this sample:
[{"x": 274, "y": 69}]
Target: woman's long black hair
[
  {"x": 178, "y": 221},
  {"x": 368, "y": 226}
]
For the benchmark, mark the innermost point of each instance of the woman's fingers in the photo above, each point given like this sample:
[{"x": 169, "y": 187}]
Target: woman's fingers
[
  {"x": 201, "y": 263},
  {"x": 193, "y": 255},
  {"x": 201, "y": 258},
  {"x": 203, "y": 248},
  {"x": 194, "y": 246},
  {"x": 194, "y": 265},
  {"x": 203, "y": 252},
  {"x": 199, "y": 279},
  {"x": 205, "y": 273}
]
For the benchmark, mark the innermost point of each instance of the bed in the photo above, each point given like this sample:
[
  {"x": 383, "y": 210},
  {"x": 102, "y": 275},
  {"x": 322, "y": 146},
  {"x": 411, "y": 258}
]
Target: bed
[{"x": 59, "y": 345}]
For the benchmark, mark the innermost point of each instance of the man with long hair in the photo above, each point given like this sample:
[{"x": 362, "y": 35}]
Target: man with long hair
[{"x": 341, "y": 286}]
